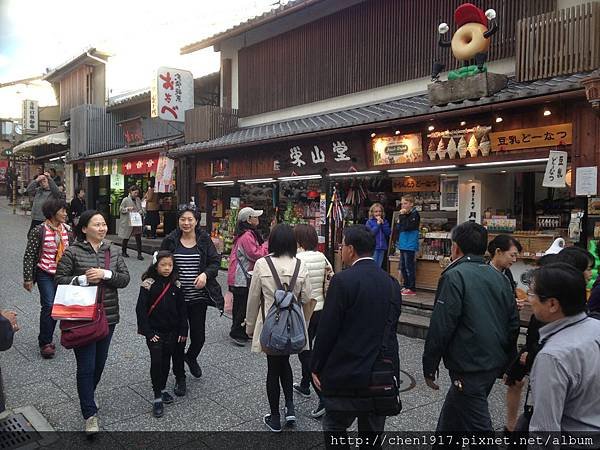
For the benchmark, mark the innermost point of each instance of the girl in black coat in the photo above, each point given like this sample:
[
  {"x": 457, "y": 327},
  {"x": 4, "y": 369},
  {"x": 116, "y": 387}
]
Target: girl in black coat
[{"x": 162, "y": 319}]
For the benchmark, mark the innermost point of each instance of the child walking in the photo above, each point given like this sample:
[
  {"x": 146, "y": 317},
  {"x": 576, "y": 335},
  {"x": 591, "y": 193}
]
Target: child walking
[{"x": 162, "y": 319}]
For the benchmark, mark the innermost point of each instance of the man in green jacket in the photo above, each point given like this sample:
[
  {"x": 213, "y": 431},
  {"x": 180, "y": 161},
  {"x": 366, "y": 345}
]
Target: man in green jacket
[{"x": 474, "y": 328}]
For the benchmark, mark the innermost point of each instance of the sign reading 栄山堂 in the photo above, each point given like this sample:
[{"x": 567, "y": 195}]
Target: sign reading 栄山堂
[{"x": 172, "y": 93}]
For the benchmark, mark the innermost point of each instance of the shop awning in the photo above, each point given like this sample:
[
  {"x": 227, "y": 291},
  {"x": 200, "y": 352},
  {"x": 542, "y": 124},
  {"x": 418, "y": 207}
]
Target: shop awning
[
  {"x": 59, "y": 138},
  {"x": 367, "y": 116}
]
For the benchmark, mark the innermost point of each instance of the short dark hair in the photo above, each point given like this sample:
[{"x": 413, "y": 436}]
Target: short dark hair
[
  {"x": 84, "y": 220},
  {"x": 470, "y": 237},
  {"x": 306, "y": 236},
  {"x": 577, "y": 257},
  {"x": 563, "y": 282},
  {"x": 503, "y": 242},
  {"x": 152, "y": 271},
  {"x": 282, "y": 241},
  {"x": 187, "y": 207},
  {"x": 80, "y": 190},
  {"x": 133, "y": 188},
  {"x": 52, "y": 206},
  {"x": 359, "y": 237}
]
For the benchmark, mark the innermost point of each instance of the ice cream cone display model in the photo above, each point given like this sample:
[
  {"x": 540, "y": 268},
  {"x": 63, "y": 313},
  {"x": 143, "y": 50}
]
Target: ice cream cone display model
[
  {"x": 451, "y": 151},
  {"x": 441, "y": 149},
  {"x": 472, "y": 148},
  {"x": 484, "y": 145},
  {"x": 431, "y": 150},
  {"x": 462, "y": 147}
]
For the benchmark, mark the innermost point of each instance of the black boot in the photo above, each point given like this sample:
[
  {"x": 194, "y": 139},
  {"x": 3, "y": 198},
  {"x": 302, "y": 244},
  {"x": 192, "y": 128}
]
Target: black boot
[
  {"x": 180, "y": 387},
  {"x": 157, "y": 408}
]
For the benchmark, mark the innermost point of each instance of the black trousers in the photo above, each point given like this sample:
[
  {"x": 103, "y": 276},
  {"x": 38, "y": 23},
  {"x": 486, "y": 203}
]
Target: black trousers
[
  {"x": 279, "y": 371},
  {"x": 240, "y": 301},
  {"x": 336, "y": 423},
  {"x": 466, "y": 410},
  {"x": 160, "y": 360},
  {"x": 138, "y": 244},
  {"x": 306, "y": 355},
  {"x": 197, "y": 325},
  {"x": 152, "y": 219}
]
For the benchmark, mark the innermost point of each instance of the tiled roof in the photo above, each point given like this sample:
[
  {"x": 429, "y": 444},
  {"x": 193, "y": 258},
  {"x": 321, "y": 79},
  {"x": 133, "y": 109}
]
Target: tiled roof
[
  {"x": 275, "y": 13},
  {"x": 380, "y": 112},
  {"x": 135, "y": 149}
]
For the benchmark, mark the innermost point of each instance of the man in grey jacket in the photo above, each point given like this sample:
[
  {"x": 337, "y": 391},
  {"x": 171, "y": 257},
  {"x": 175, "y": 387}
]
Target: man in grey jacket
[
  {"x": 42, "y": 188},
  {"x": 565, "y": 385}
]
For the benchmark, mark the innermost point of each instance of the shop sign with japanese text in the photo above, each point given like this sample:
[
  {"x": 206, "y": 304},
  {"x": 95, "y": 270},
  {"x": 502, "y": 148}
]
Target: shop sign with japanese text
[
  {"x": 132, "y": 131},
  {"x": 172, "y": 94},
  {"x": 30, "y": 116},
  {"x": 140, "y": 164},
  {"x": 337, "y": 154},
  {"x": 550, "y": 136},
  {"x": 399, "y": 149},
  {"x": 556, "y": 170},
  {"x": 416, "y": 184}
]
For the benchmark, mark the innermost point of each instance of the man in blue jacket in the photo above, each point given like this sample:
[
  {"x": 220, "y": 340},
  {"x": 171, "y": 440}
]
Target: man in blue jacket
[
  {"x": 408, "y": 242},
  {"x": 474, "y": 328}
]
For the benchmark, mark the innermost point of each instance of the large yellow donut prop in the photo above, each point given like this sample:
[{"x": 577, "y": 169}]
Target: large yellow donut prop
[{"x": 468, "y": 40}]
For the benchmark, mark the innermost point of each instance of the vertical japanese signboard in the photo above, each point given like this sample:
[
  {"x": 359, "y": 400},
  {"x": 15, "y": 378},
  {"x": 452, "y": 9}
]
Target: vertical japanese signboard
[
  {"x": 172, "y": 93},
  {"x": 30, "y": 116},
  {"x": 556, "y": 170}
]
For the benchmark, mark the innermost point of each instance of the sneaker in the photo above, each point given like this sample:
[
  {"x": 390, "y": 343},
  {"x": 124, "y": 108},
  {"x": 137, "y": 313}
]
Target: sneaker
[
  {"x": 140, "y": 257},
  {"x": 157, "y": 408},
  {"x": 303, "y": 391},
  {"x": 180, "y": 388},
  {"x": 318, "y": 411},
  {"x": 290, "y": 416},
  {"x": 167, "y": 398},
  {"x": 273, "y": 423},
  {"x": 47, "y": 351},
  {"x": 91, "y": 425},
  {"x": 408, "y": 292},
  {"x": 240, "y": 342},
  {"x": 195, "y": 369}
]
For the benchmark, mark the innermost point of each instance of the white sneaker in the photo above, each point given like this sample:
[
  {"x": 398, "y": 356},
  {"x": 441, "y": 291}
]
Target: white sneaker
[{"x": 91, "y": 425}]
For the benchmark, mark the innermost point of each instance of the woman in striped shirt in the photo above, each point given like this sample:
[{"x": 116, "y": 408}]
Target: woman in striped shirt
[
  {"x": 46, "y": 244},
  {"x": 198, "y": 264}
]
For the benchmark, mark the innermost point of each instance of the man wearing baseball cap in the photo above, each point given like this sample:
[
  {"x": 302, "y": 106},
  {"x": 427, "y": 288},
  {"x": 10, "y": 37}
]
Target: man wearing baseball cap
[{"x": 248, "y": 246}]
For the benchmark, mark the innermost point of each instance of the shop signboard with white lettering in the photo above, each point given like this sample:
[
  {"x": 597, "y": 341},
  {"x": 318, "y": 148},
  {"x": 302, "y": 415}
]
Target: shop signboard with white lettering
[
  {"x": 172, "y": 94},
  {"x": 556, "y": 170}
]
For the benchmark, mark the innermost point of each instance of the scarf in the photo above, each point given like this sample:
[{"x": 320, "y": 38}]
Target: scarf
[{"x": 60, "y": 246}]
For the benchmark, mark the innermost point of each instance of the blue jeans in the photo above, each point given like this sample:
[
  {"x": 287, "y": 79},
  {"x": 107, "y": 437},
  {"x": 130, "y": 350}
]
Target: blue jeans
[
  {"x": 408, "y": 270},
  {"x": 378, "y": 257},
  {"x": 90, "y": 364},
  {"x": 47, "y": 288}
]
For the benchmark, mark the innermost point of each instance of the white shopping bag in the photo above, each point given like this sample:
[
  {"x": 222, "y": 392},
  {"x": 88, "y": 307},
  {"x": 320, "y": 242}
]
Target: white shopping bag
[
  {"x": 74, "y": 302},
  {"x": 135, "y": 219}
]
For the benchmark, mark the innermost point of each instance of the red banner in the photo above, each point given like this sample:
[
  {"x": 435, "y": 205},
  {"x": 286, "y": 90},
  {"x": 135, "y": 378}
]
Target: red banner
[{"x": 140, "y": 164}]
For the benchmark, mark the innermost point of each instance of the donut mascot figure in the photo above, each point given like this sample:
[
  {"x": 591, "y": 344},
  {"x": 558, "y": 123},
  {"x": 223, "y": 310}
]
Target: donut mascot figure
[{"x": 470, "y": 42}]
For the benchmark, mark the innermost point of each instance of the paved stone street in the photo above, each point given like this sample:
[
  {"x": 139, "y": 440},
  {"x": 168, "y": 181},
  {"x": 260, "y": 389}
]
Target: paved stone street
[{"x": 229, "y": 396}]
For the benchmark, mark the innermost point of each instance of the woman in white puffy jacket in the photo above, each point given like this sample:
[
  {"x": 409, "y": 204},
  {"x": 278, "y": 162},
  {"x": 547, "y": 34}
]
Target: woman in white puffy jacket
[{"x": 320, "y": 271}]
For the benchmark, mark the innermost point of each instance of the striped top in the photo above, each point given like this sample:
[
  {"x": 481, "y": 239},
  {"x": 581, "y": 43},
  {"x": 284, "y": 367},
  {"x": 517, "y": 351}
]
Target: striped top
[
  {"x": 188, "y": 267},
  {"x": 47, "y": 260}
]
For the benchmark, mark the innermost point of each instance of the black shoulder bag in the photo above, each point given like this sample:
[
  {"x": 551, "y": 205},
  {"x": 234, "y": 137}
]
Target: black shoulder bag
[{"x": 382, "y": 396}]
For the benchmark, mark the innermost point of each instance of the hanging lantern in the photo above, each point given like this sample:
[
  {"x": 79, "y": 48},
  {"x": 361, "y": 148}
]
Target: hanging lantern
[{"x": 592, "y": 90}]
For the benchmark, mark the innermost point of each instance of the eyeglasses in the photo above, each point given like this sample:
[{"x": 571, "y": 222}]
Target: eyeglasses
[{"x": 187, "y": 207}]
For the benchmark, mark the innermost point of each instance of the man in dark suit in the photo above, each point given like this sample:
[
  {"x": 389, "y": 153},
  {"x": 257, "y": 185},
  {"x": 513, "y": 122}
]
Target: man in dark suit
[
  {"x": 361, "y": 302},
  {"x": 77, "y": 206}
]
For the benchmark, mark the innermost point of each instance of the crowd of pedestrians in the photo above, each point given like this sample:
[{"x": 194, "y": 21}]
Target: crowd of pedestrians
[{"x": 287, "y": 301}]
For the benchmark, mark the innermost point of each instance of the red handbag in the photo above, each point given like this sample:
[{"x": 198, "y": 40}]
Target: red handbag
[{"x": 80, "y": 333}]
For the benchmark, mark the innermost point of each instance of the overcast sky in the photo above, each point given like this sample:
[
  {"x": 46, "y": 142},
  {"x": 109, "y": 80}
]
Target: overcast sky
[{"x": 142, "y": 35}]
